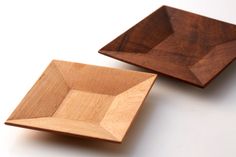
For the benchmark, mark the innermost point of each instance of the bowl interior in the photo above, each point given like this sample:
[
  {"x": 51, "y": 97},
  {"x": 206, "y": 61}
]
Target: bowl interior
[{"x": 77, "y": 91}]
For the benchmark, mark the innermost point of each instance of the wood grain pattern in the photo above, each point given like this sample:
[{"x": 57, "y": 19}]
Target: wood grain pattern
[
  {"x": 180, "y": 44},
  {"x": 83, "y": 100}
]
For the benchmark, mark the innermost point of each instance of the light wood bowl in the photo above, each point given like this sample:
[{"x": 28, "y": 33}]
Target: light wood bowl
[{"x": 83, "y": 100}]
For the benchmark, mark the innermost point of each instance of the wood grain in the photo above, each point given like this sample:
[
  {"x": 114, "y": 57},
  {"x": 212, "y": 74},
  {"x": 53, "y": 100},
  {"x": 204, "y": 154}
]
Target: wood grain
[
  {"x": 83, "y": 100},
  {"x": 180, "y": 44}
]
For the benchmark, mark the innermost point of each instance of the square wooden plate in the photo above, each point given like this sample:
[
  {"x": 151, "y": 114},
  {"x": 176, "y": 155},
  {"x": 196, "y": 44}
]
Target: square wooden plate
[
  {"x": 180, "y": 44},
  {"x": 83, "y": 100}
]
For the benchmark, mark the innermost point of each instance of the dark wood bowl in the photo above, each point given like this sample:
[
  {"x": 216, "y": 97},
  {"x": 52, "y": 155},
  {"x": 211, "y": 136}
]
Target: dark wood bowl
[{"x": 180, "y": 44}]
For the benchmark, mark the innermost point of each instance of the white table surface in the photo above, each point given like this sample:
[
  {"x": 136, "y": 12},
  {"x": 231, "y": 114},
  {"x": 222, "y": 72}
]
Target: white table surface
[{"x": 177, "y": 119}]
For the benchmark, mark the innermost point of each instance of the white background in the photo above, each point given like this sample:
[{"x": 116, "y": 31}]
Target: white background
[{"x": 177, "y": 119}]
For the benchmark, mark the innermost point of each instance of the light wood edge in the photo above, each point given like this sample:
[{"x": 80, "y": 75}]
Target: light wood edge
[
  {"x": 105, "y": 67},
  {"x": 35, "y": 86},
  {"x": 40, "y": 123},
  {"x": 140, "y": 90}
]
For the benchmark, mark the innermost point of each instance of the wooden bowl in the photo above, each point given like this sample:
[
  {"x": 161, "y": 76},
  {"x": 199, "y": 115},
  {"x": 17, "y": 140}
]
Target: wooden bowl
[
  {"x": 83, "y": 100},
  {"x": 180, "y": 44}
]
